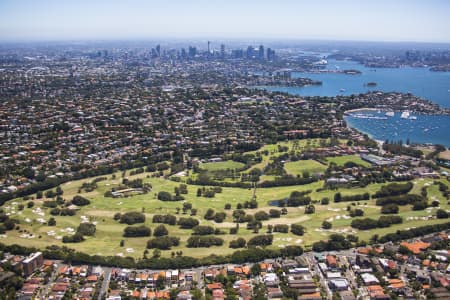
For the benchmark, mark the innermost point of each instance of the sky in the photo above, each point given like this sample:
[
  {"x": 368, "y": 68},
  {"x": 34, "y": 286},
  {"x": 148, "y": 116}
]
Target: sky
[{"x": 367, "y": 20}]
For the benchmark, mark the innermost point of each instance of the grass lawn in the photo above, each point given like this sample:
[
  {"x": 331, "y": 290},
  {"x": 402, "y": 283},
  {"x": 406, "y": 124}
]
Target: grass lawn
[
  {"x": 109, "y": 232},
  {"x": 341, "y": 160},
  {"x": 222, "y": 165},
  {"x": 310, "y": 166},
  {"x": 445, "y": 155}
]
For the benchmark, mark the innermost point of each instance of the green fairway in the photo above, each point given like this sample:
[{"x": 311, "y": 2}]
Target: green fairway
[
  {"x": 222, "y": 165},
  {"x": 341, "y": 160},
  {"x": 109, "y": 232},
  {"x": 310, "y": 166}
]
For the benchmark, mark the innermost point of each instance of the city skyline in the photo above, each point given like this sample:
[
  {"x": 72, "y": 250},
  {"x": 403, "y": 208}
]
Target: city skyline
[{"x": 415, "y": 21}]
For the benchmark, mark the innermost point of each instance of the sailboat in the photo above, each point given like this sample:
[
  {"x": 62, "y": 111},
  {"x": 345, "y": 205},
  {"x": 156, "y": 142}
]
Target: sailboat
[{"x": 405, "y": 115}]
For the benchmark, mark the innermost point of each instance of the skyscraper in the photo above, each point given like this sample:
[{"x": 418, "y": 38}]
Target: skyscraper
[
  {"x": 261, "y": 52},
  {"x": 222, "y": 51},
  {"x": 270, "y": 54},
  {"x": 192, "y": 51}
]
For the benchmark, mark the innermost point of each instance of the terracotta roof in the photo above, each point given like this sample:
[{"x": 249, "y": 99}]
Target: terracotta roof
[
  {"x": 246, "y": 270},
  {"x": 416, "y": 247},
  {"x": 331, "y": 260},
  {"x": 374, "y": 288},
  {"x": 364, "y": 250},
  {"x": 214, "y": 286},
  {"x": 309, "y": 296}
]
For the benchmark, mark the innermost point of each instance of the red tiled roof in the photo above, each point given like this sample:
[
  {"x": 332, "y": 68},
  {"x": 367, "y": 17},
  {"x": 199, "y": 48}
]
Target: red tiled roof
[
  {"x": 416, "y": 247},
  {"x": 214, "y": 286}
]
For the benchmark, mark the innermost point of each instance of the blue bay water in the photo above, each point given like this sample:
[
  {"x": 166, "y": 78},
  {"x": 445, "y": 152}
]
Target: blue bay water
[
  {"x": 425, "y": 129},
  {"x": 434, "y": 86}
]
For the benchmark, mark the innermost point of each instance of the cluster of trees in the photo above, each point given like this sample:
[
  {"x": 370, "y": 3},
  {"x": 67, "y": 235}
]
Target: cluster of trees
[
  {"x": 160, "y": 230},
  {"x": 297, "y": 229},
  {"x": 357, "y": 212},
  {"x": 208, "y": 192},
  {"x": 339, "y": 198},
  {"x": 137, "y": 231},
  {"x": 310, "y": 209},
  {"x": 400, "y": 235},
  {"x": 383, "y": 221},
  {"x": 80, "y": 201},
  {"x": 91, "y": 185},
  {"x": 137, "y": 183},
  {"x": 335, "y": 242},
  {"x": 76, "y": 238},
  {"x": 283, "y": 228},
  {"x": 187, "y": 223},
  {"x": 163, "y": 242},
  {"x": 130, "y": 218},
  {"x": 181, "y": 189},
  {"x": 82, "y": 230},
  {"x": 248, "y": 204},
  {"x": 203, "y": 230},
  {"x": 327, "y": 225},
  {"x": 390, "y": 208},
  {"x": 166, "y": 196},
  {"x": 443, "y": 188},
  {"x": 178, "y": 262},
  {"x": 275, "y": 168},
  {"x": 441, "y": 214},
  {"x": 398, "y": 148},
  {"x": 50, "y": 204},
  {"x": 165, "y": 219},
  {"x": 62, "y": 212},
  {"x": 52, "y": 194},
  {"x": 275, "y": 213},
  {"x": 399, "y": 200},
  {"x": 394, "y": 189},
  {"x": 261, "y": 216},
  {"x": 217, "y": 217},
  {"x": 238, "y": 243},
  {"x": 7, "y": 223},
  {"x": 261, "y": 240},
  {"x": 204, "y": 241},
  {"x": 86, "y": 229},
  {"x": 295, "y": 199}
]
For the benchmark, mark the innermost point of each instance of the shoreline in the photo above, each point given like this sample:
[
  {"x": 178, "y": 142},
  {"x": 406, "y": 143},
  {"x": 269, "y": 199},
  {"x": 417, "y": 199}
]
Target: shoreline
[{"x": 361, "y": 109}]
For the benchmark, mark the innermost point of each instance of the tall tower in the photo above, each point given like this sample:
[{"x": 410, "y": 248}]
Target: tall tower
[
  {"x": 222, "y": 51},
  {"x": 209, "y": 48}
]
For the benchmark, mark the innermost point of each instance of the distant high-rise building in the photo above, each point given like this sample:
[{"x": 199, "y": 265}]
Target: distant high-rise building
[
  {"x": 261, "y": 52},
  {"x": 192, "y": 51},
  {"x": 250, "y": 53},
  {"x": 270, "y": 54},
  {"x": 222, "y": 51},
  {"x": 158, "y": 50},
  {"x": 238, "y": 53},
  {"x": 209, "y": 48}
]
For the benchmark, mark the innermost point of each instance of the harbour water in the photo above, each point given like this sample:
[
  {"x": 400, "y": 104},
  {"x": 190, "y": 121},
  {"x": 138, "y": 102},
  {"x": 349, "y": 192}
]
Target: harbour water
[
  {"x": 434, "y": 86},
  {"x": 422, "y": 129}
]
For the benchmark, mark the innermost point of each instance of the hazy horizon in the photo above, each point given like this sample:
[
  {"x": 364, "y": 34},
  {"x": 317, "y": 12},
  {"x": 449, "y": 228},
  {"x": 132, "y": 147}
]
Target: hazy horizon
[{"x": 349, "y": 20}]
